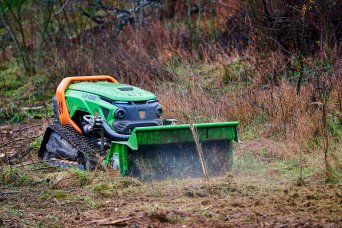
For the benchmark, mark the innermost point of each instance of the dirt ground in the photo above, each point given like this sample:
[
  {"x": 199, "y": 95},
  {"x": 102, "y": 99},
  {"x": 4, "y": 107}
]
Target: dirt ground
[{"x": 33, "y": 194}]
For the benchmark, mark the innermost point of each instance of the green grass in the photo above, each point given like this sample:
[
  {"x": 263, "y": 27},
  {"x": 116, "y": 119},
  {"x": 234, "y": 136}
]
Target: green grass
[
  {"x": 45, "y": 195},
  {"x": 157, "y": 193},
  {"x": 293, "y": 170},
  {"x": 35, "y": 144},
  {"x": 15, "y": 177},
  {"x": 19, "y": 91},
  {"x": 54, "y": 193},
  {"x": 104, "y": 189},
  {"x": 15, "y": 213},
  {"x": 60, "y": 194},
  {"x": 90, "y": 202},
  {"x": 248, "y": 163},
  {"x": 83, "y": 177},
  {"x": 11, "y": 77},
  {"x": 335, "y": 175},
  {"x": 334, "y": 125}
]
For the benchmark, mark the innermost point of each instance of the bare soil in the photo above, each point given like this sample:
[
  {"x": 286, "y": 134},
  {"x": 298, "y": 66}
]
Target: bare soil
[{"x": 33, "y": 194}]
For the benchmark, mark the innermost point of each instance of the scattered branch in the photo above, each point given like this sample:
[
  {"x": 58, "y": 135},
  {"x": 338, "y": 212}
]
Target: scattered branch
[
  {"x": 200, "y": 154},
  {"x": 105, "y": 222}
]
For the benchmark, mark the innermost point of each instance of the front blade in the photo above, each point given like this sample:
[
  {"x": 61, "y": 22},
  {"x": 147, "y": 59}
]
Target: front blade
[
  {"x": 169, "y": 151},
  {"x": 179, "y": 160}
]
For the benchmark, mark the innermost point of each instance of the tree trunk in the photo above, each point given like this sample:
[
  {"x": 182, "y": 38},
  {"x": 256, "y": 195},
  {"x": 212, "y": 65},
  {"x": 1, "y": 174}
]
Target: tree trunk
[{"x": 47, "y": 18}]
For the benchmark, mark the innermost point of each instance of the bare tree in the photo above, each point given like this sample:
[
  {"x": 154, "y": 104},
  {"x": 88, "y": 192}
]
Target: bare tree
[{"x": 11, "y": 16}]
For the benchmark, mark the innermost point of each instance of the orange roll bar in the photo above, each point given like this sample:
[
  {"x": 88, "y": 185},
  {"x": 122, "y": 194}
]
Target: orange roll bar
[{"x": 63, "y": 112}]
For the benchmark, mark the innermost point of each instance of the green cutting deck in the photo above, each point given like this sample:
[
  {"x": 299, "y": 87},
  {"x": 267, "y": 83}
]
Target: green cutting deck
[{"x": 171, "y": 135}]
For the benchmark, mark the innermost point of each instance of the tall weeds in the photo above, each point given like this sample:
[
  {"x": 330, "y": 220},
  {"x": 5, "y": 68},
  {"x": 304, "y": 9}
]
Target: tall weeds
[{"x": 267, "y": 64}]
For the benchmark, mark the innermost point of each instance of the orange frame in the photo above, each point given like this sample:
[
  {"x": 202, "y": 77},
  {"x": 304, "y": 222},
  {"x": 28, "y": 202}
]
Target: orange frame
[{"x": 63, "y": 112}]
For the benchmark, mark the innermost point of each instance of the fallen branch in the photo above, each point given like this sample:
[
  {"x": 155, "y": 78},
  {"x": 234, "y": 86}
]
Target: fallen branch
[
  {"x": 104, "y": 223},
  {"x": 26, "y": 164},
  {"x": 9, "y": 193},
  {"x": 32, "y": 108},
  {"x": 206, "y": 208},
  {"x": 200, "y": 154},
  {"x": 28, "y": 127},
  {"x": 17, "y": 139},
  {"x": 260, "y": 214},
  {"x": 242, "y": 155},
  {"x": 31, "y": 163},
  {"x": 23, "y": 154},
  {"x": 42, "y": 168}
]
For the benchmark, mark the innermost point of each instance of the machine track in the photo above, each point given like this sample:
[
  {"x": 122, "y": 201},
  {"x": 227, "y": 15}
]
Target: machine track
[
  {"x": 65, "y": 164},
  {"x": 84, "y": 145}
]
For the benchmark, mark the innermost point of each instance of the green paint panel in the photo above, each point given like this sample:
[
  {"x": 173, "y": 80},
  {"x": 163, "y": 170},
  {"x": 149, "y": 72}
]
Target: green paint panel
[
  {"x": 182, "y": 133},
  {"x": 114, "y": 91},
  {"x": 81, "y": 101}
]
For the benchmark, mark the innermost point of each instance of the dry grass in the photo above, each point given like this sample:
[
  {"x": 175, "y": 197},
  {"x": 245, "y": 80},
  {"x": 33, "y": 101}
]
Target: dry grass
[{"x": 236, "y": 78}]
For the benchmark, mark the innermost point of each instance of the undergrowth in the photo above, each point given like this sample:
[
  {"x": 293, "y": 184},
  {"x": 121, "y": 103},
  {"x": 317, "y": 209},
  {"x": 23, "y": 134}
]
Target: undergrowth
[
  {"x": 23, "y": 97},
  {"x": 284, "y": 92}
]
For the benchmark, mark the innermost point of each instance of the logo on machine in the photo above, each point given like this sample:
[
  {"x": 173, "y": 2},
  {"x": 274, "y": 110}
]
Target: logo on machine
[
  {"x": 89, "y": 96},
  {"x": 142, "y": 114}
]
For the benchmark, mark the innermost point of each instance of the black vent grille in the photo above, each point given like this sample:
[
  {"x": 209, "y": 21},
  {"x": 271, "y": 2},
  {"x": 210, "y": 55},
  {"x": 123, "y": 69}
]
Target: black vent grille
[
  {"x": 125, "y": 88},
  {"x": 116, "y": 103}
]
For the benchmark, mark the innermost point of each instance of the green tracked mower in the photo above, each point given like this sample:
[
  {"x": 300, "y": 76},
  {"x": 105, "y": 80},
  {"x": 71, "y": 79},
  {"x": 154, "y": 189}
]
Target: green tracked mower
[{"x": 100, "y": 122}]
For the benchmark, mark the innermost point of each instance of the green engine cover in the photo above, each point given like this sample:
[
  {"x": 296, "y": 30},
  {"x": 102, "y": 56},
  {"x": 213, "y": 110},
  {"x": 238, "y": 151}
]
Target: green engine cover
[{"x": 94, "y": 98}]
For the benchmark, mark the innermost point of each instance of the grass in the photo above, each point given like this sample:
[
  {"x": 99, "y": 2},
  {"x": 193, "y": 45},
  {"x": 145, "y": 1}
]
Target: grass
[
  {"x": 90, "y": 202},
  {"x": 11, "y": 77},
  {"x": 292, "y": 169},
  {"x": 102, "y": 187},
  {"x": 15, "y": 213},
  {"x": 335, "y": 175},
  {"x": 60, "y": 194},
  {"x": 173, "y": 202},
  {"x": 35, "y": 144},
  {"x": 248, "y": 163},
  {"x": 334, "y": 125},
  {"x": 19, "y": 93},
  {"x": 211, "y": 76},
  {"x": 54, "y": 194},
  {"x": 253, "y": 130},
  {"x": 15, "y": 177},
  {"x": 157, "y": 193},
  {"x": 83, "y": 177}
]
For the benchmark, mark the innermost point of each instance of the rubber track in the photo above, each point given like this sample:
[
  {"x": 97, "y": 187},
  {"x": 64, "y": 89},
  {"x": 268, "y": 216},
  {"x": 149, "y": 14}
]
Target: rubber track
[
  {"x": 65, "y": 164},
  {"x": 82, "y": 143}
]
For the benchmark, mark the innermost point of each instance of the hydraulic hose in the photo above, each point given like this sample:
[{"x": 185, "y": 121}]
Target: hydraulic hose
[{"x": 112, "y": 134}]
